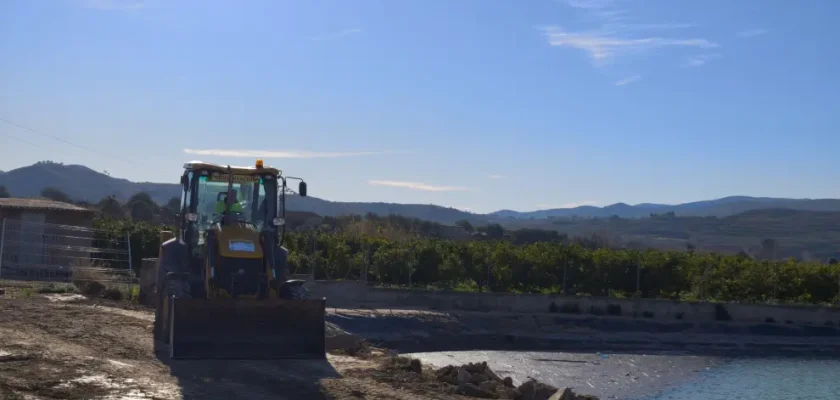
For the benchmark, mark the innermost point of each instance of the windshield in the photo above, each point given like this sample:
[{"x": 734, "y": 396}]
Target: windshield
[{"x": 249, "y": 204}]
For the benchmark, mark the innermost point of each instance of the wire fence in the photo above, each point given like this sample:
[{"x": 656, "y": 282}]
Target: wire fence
[{"x": 42, "y": 252}]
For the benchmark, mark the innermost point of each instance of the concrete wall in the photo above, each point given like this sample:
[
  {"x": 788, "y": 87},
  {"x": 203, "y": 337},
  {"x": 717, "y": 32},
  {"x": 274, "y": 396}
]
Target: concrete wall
[{"x": 354, "y": 294}]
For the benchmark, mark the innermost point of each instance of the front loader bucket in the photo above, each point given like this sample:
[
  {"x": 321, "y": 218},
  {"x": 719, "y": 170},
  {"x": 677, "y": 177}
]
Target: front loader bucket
[{"x": 247, "y": 329}]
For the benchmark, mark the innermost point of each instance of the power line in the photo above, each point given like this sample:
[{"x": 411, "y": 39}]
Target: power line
[
  {"x": 20, "y": 140},
  {"x": 92, "y": 150},
  {"x": 67, "y": 142}
]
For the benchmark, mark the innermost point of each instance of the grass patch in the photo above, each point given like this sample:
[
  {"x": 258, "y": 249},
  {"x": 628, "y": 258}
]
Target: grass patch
[{"x": 58, "y": 288}]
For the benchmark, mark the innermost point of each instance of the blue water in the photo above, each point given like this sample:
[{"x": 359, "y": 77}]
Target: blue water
[{"x": 761, "y": 379}]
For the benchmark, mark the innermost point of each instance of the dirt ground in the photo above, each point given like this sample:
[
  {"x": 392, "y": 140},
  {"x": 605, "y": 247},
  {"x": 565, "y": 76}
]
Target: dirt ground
[{"x": 64, "y": 347}]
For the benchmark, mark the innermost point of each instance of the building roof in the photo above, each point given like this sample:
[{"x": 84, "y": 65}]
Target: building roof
[{"x": 41, "y": 204}]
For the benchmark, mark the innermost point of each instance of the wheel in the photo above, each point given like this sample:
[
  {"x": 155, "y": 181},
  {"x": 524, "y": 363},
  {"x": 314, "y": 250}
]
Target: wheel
[
  {"x": 174, "y": 287},
  {"x": 294, "y": 291},
  {"x": 170, "y": 283},
  {"x": 299, "y": 292}
]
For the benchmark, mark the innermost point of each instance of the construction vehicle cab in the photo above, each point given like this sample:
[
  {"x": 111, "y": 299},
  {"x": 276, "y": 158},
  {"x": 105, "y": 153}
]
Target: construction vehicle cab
[{"x": 222, "y": 280}]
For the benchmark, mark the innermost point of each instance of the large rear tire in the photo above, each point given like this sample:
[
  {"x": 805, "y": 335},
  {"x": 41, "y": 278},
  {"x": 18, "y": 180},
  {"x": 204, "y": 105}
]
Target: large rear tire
[
  {"x": 294, "y": 290},
  {"x": 299, "y": 292}
]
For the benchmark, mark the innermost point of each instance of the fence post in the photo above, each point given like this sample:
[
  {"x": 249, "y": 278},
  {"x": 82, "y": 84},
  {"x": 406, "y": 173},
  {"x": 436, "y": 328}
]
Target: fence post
[
  {"x": 2, "y": 241},
  {"x": 130, "y": 268}
]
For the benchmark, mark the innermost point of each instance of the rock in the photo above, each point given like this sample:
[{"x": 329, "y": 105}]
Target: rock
[
  {"x": 491, "y": 375},
  {"x": 490, "y": 386},
  {"x": 478, "y": 378},
  {"x": 468, "y": 389},
  {"x": 508, "y": 382},
  {"x": 344, "y": 341},
  {"x": 415, "y": 366},
  {"x": 505, "y": 392},
  {"x": 565, "y": 394},
  {"x": 544, "y": 392},
  {"x": 527, "y": 390},
  {"x": 463, "y": 376}
]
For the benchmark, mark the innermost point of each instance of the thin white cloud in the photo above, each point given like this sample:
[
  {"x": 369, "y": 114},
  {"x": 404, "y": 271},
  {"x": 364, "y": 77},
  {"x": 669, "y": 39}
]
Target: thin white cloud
[
  {"x": 337, "y": 35},
  {"x": 280, "y": 154},
  {"x": 749, "y": 33},
  {"x": 648, "y": 27},
  {"x": 496, "y": 176},
  {"x": 601, "y": 46},
  {"x": 418, "y": 186},
  {"x": 629, "y": 80},
  {"x": 545, "y": 206},
  {"x": 699, "y": 60},
  {"x": 114, "y": 4}
]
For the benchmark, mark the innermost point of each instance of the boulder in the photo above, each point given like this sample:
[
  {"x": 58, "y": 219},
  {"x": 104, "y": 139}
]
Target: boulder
[
  {"x": 565, "y": 394},
  {"x": 464, "y": 376},
  {"x": 527, "y": 390},
  {"x": 468, "y": 389}
]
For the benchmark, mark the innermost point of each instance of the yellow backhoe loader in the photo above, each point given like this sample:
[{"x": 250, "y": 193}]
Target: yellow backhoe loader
[{"x": 222, "y": 280}]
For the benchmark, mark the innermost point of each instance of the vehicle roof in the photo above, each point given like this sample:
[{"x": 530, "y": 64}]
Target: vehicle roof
[{"x": 196, "y": 165}]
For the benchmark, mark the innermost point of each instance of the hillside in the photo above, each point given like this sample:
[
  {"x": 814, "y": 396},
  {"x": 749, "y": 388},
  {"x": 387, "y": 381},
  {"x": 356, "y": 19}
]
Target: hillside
[
  {"x": 84, "y": 184},
  {"x": 797, "y": 233},
  {"x": 718, "y": 208},
  {"x": 80, "y": 183}
]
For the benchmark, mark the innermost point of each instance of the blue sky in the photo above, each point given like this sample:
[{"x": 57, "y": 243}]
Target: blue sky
[{"x": 475, "y": 104}]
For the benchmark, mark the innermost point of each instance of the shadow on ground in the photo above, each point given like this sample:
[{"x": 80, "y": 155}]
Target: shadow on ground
[{"x": 248, "y": 379}]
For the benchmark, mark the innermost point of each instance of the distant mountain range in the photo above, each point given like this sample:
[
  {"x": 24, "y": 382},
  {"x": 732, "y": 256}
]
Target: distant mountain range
[
  {"x": 708, "y": 208},
  {"x": 83, "y": 183}
]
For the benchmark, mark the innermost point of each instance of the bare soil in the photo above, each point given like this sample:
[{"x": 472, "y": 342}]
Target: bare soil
[{"x": 58, "y": 347}]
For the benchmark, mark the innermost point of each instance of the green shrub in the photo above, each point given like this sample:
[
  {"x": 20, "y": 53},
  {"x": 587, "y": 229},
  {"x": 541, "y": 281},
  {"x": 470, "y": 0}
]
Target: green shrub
[{"x": 112, "y": 293}]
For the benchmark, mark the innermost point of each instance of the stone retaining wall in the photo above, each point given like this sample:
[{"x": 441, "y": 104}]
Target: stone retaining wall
[{"x": 355, "y": 294}]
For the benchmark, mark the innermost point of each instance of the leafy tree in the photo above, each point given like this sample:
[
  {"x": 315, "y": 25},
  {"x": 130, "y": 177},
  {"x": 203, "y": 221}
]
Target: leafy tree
[
  {"x": 55, "y": 194},
  {"x": 495, "y": 231},
  {"x": 169, "y": 212},
  {"x": 141, "y": 207},
  {"x": 4, "y": 193},
  {"x": 110, "y": 207},
  {"x": 465, "y": 225}
]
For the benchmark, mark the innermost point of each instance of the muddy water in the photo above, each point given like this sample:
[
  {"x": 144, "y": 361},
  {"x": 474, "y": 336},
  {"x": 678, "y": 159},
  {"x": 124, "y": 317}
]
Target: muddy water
[
  {"x": 662, "y": 377},
  {"x": 609, "y": 376},
  {"x": 761, "y": 379}
]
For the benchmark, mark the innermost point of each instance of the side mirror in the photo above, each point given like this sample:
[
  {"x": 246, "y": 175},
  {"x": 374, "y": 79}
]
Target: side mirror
[{"x": 302, "y": 189}]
